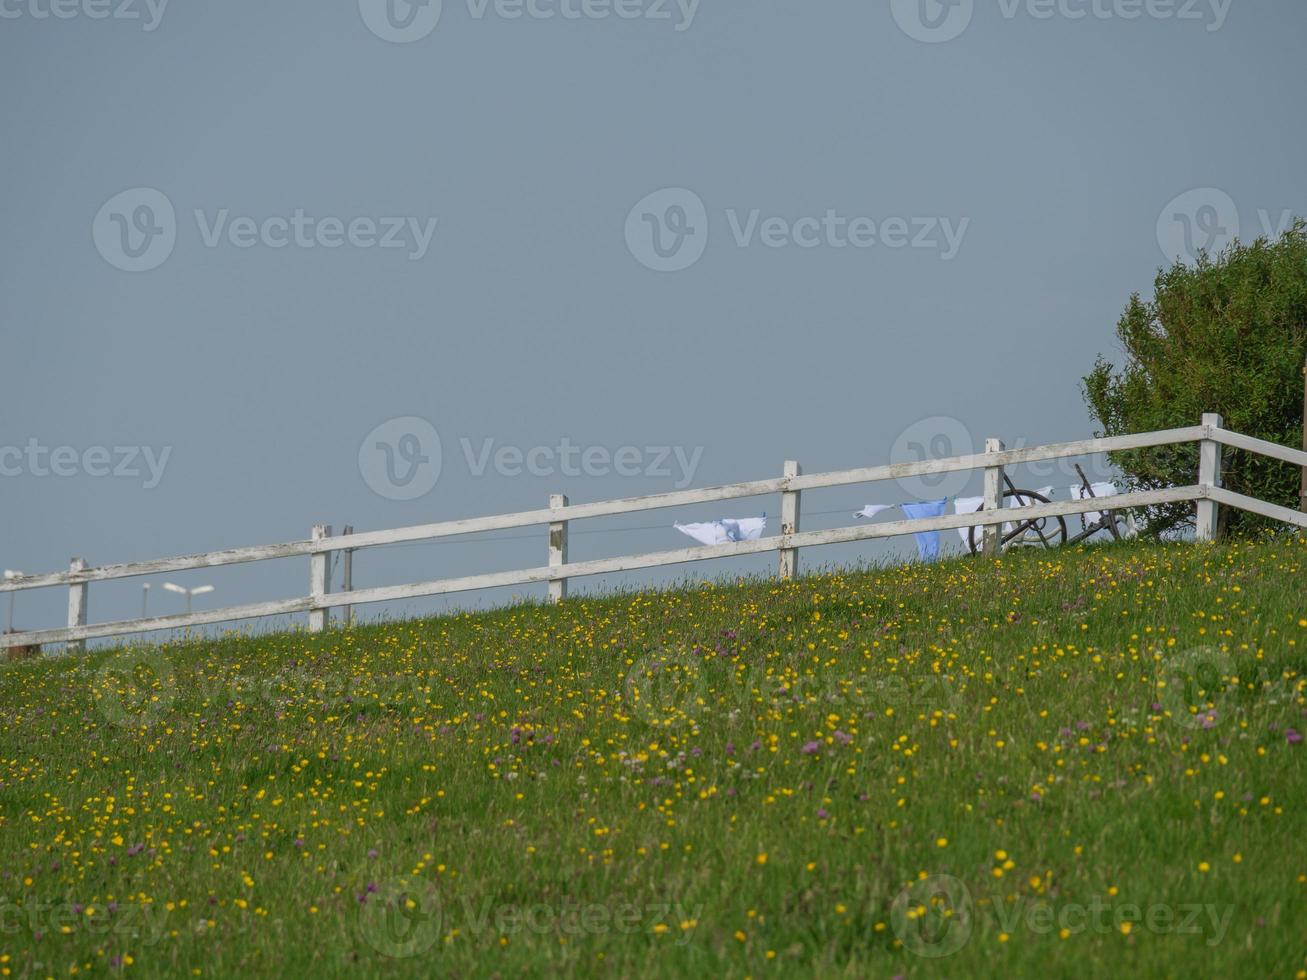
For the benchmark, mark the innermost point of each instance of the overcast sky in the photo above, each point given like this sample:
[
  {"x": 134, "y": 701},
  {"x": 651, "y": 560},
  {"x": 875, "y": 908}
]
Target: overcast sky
[{"x": 605, "y": 248}]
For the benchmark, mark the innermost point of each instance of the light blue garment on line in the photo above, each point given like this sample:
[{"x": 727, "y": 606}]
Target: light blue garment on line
[{"x": 927, "y": 541}]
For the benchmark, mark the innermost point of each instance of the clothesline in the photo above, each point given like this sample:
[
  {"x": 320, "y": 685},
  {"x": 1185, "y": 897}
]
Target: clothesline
[{"x": 927, "y": 542}]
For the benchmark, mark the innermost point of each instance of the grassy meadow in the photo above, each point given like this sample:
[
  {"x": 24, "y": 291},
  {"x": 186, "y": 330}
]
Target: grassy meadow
[{"x": 1082, "y": 763}]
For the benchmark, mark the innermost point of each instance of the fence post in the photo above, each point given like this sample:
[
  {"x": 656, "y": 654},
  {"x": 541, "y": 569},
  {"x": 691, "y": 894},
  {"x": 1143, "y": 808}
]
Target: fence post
[
  {"x": 790, "y": 509},
  {"x": 1209, "y": 476},
  {"x": 993, "y": 533},
  {"x": 1302, "y": 494},
  {"x": 347, "y": 577},
  {"x": 319, "y": 584},
  {"x": 557, "y": 549},
  {"x": 77, "y": 595}
]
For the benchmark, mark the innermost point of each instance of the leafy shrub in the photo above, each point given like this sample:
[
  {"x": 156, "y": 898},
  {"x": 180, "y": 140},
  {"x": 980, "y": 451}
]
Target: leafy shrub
[{"x": 1226, "y": 335}]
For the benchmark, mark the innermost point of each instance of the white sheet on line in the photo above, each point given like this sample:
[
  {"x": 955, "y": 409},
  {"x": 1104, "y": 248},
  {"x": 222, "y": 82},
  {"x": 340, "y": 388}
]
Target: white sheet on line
[
  {"x": 969, "y": 505},
  {"x": 871, "y": 510},
  {"x": 744, "y": 528},
  {"x": 1078, "y": 492},
  {"x": 726, "y": 530}
]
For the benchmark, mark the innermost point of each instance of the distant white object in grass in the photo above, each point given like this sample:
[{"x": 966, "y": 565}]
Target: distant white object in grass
[{"x": 188, "y": 593}]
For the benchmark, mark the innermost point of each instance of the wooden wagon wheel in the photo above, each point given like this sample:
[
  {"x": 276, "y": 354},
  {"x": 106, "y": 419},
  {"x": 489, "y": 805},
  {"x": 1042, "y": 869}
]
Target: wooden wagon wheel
[{"x": 1045, "y": 532}]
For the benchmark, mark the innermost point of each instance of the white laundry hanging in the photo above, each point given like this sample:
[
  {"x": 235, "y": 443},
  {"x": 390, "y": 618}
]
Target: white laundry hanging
[
  {"x": 1018, "y": 501},
  {"x": 969, "y": 505},
  {"x": 710, "y": 532},
  {"x": 972, "y": 505},
  {"x": 871, "y": 510},
  {"x": 745, "y": 528},
  {"x": 725, "y": 530},
  {"x": 1126, "y": 527},
  {"x": 1078, "y": 492}
]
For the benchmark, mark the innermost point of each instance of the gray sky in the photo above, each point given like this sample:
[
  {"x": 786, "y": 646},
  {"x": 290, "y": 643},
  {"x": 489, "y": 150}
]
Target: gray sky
[{"x": 968, "y": 196}]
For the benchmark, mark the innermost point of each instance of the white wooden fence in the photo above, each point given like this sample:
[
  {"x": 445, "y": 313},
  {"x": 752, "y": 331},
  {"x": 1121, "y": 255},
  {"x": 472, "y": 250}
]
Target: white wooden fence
[{"x": 1207, "y": 493}]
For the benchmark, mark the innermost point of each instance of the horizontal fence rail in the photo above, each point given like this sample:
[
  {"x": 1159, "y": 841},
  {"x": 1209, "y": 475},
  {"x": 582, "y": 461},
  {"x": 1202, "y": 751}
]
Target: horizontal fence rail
[
  {"x": 1207, "y": 493},
  {"x": 611, "y": 508}
]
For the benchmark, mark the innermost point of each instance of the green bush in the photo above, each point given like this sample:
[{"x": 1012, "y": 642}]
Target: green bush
[{"x": 1226, "y": 335}]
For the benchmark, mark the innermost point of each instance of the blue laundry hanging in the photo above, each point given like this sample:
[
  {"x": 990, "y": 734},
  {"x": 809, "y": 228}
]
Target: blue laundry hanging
[{"x": 927, "y": 541}]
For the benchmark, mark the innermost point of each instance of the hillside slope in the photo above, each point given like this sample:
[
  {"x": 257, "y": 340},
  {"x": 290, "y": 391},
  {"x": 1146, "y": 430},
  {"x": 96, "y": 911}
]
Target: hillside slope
[{"x": 1080, "y": 763}]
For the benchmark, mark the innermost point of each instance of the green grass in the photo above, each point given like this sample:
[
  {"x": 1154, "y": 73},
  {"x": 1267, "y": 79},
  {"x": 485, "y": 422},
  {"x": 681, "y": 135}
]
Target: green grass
[{"x": 839, "y": 777}]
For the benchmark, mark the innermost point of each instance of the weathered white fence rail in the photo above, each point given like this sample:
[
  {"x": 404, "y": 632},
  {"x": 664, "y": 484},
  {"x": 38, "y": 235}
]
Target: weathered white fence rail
[{"x": 1207, "y": 493}]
